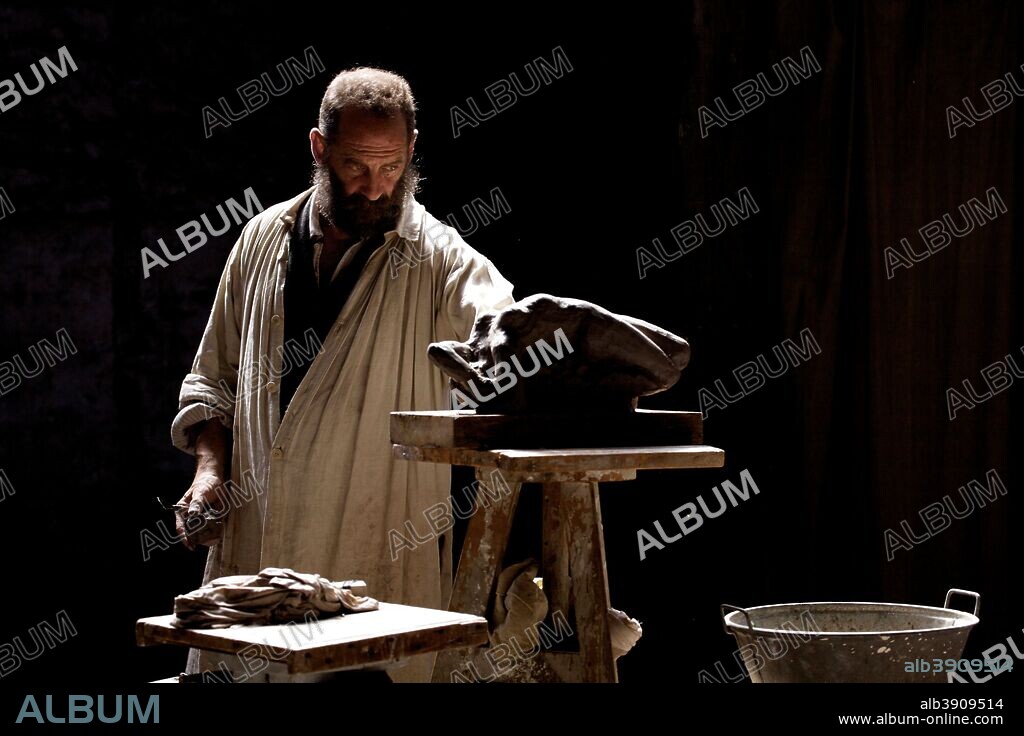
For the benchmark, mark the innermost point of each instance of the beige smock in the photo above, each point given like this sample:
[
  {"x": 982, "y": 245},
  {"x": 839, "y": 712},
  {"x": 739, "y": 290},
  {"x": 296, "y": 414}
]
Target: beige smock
[{"x": 328, "y": 488}]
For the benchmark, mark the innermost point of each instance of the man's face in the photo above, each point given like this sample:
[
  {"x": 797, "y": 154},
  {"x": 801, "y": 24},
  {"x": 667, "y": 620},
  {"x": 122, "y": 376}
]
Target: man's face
[{"x": 363, "y": 179}]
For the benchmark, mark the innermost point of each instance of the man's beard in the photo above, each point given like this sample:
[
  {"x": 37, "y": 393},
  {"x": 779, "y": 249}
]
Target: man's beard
[{"x": 355, "y": 215}]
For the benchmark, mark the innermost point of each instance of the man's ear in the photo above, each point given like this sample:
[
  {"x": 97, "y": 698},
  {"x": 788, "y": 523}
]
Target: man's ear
[
  {"x": 317, "y": 145},
  {"x": 412, "y": 143}
]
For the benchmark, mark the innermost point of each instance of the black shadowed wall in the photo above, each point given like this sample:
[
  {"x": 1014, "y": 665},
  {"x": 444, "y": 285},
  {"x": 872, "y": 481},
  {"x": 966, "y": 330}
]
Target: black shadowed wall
[{"x": 853, "y": 156}]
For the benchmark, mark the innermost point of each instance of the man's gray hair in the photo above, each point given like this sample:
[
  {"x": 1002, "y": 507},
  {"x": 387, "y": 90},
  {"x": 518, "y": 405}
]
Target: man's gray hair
[{"x": 376, "y": 91}]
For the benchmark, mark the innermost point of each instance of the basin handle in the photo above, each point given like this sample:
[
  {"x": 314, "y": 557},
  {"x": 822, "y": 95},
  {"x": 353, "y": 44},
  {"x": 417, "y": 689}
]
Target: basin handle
[
  {"x": 746, "y": 615},
  {"x": 972, "y": 594}
]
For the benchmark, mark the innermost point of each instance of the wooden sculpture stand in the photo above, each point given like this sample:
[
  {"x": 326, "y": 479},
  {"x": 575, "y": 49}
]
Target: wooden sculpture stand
[{"x": 575, "y": 577}]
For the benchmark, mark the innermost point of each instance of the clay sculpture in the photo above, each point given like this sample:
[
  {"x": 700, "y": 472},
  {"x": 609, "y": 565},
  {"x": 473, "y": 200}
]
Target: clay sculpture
[{"x": 556, "y": 354}]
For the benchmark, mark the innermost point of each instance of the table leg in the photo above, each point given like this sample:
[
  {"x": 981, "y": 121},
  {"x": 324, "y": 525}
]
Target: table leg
[
  {"x": 554, "y": 552},
  {"x": 483, "y": 553},
  {"x": 581, "y": 507}
]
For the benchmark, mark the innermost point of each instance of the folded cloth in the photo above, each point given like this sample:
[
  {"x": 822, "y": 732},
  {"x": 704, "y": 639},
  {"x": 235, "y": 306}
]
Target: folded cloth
[
  {"x": 519, "y": 605},
  {"x": 274, "y": 595},
  {"x": 625, "y": 632}
]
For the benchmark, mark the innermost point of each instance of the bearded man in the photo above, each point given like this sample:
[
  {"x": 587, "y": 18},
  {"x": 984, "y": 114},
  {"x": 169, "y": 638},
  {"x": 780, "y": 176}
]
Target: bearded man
[{"x": 357, "y": 279}]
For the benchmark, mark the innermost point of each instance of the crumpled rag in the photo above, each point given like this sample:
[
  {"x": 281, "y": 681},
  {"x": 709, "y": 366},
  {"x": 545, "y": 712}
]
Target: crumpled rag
[{"x": 274, "y": 595}]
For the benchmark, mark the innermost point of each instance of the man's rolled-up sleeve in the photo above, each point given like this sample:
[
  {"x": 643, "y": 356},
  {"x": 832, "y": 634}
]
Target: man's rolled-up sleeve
[
  {"x": 473, "y": 286},
  {"x": 209, "y": 390}
]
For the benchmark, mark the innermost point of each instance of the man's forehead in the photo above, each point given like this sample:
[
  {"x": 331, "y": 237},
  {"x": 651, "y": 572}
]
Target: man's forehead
[{"x": 365, "y": 133}]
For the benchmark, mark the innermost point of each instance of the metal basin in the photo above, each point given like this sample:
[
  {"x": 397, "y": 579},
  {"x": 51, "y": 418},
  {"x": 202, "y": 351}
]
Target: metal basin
[{"x": 848, "y": 642}]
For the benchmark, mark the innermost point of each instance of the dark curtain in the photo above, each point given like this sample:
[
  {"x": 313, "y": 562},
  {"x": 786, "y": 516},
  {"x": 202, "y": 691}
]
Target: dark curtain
[{"x": 843, "y": 165}]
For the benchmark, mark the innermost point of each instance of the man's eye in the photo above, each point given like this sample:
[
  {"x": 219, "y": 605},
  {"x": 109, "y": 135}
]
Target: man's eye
[{"x": 390, "y": 169}]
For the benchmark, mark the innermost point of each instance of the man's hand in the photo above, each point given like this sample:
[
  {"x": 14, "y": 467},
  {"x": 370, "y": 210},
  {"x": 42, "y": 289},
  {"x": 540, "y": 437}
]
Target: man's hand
[{"x": 205, "y": 494}]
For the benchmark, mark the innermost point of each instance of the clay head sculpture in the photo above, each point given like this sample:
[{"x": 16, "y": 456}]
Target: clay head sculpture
[{"x": 554, "y": 354}]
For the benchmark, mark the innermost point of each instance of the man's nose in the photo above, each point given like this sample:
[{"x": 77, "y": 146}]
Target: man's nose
[{"x": 375, "y": 187}]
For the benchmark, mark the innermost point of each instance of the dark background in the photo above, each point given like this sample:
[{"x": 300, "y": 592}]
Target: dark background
[{"x": 593, "y": 166}]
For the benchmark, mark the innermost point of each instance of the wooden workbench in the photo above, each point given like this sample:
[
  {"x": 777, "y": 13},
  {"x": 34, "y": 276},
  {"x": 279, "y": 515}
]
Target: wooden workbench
[{"x": 308, "y": 652}]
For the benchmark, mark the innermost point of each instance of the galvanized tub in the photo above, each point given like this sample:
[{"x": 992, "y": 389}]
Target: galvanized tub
[{"x": 848, "y": 642}]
